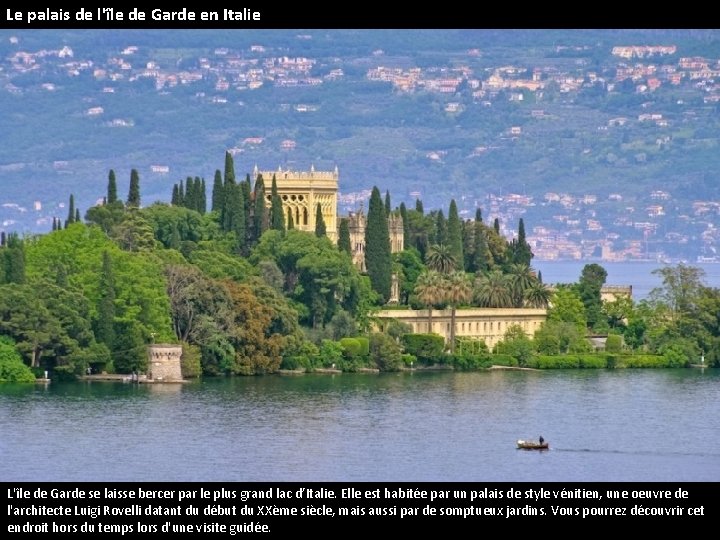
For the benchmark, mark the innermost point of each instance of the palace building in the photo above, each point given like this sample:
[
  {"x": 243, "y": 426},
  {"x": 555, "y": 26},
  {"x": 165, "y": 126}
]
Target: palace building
[{"x": 301, "y": 192}]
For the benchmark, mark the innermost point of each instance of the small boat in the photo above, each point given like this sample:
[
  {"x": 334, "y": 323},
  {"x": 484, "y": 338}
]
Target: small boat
[{"x": 533, "y": 445}]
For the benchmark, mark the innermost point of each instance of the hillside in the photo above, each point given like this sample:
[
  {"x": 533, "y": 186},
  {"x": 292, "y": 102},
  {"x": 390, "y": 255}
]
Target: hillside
[{"x": 605, "y": 141}]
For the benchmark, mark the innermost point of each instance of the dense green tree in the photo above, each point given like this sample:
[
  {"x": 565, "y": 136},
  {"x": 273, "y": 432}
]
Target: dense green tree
[
  {"x": 409, "y": 267},
  {"x": 134, "y": 233},
  {"x": 290, "y": 222},
  {"x": 680, "y": 290},
  {"x": 77, "y": 216},
  {"x": 388, "y": 207},
  {"x": 277, "y": 217},
  {"x": 378, "y": 257},
  {"x": 12, "y": 260},
  {"x": 558, "y": 337},
  {"x": 12, "y": 368},
  {"x": 566, "y": 306},
  {"x": 133, "y": 200},
  {"x": 343, "y": 236},
  {"x": 516, "y": 344},
  {"x": 111, "y": 197},
  {"x": 385, "y": 352},
  {"x": 218, "y": 197},
  {"x": 454, "y": 235},
  {"x": 419, "y": 207},
  {"x": 496, "y": 226},
  {"x": 105, "y": 324},
  {"x": 589, "y": 288},
  {"x": 317, "y": 275},
  {"x": 320, "y": 229}
]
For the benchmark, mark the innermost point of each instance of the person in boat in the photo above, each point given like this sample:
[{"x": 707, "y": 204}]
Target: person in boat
[{"x": 542, "y": 441}]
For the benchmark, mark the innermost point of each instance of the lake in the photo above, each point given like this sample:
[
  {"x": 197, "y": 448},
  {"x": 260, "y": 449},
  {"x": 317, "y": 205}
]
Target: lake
[
  {"x": 637, "y": 274},
  {"x": 602, "y": 425}
]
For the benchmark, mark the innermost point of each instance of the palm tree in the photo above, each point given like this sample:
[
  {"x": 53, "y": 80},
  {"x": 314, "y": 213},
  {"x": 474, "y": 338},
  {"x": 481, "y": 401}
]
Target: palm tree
[
  {"x": 537, "y": 295},
  {"x": 457, "y": 290},
  {"x": 428, "y": 290},
  {"x": 493, "y": 290},
  {"x": 440, "y": 258},
  {"x": 521, "y": 279}
]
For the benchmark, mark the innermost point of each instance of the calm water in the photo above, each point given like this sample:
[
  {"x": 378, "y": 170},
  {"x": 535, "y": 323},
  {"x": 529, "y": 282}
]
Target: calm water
[
  {"x": 625, "y": 425},
  {"x": 637, "y": 274}
]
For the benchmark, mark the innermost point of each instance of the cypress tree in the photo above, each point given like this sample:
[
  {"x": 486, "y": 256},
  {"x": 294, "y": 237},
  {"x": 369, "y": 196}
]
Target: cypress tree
[
  {"x": 218, "y": 197},
  {"x": 133, "y": 199},
  {"x": 3, "y": 239},
  {"x": 454, "y": 232},
  {"x": 441, "y": 232},
  {"x": 259, "y": 210},
  {"x": 290, "y": 223},
  {"x": 54, "y": 226},
  {"x": 496, "y": 226},
  {"x": 234, "y": 214},
  {"x": 539, "y": 276},
  {"x": 189, "y": 200},
  {"x": 478, "y": 215},
  {"x": 320, "y": 229},
  {"x": 277, "y": 218},
  {"x": 175, "y": 198},
  {"x": 481, "y": 255},
  {"x": 77, "y": 216},
  {"x": 181, "y": 194},
  {"x": 406, "y": 223},
  {"x": 105, "y": 330},
  {"x": 419, "y": 207},
  {"x": 521, "y": 251},
  {"x": 202, "y": 208},
  {"x": 229, "y": 168},
  {"x": 111, "y": 188},
  {"x": 246, "y": 188},
  {"x": 344, "y": 236},
  {"x": 388, "y": 207},
  {"x": 71, "y": 212},
  {"x": 378, "y": 258}
]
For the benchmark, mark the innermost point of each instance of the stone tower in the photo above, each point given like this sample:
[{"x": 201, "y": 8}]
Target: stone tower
[
  {"x": 164, "y": 363},
  {"x": 357, "y": 223},
  {"x": 301, "y": 192}
]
